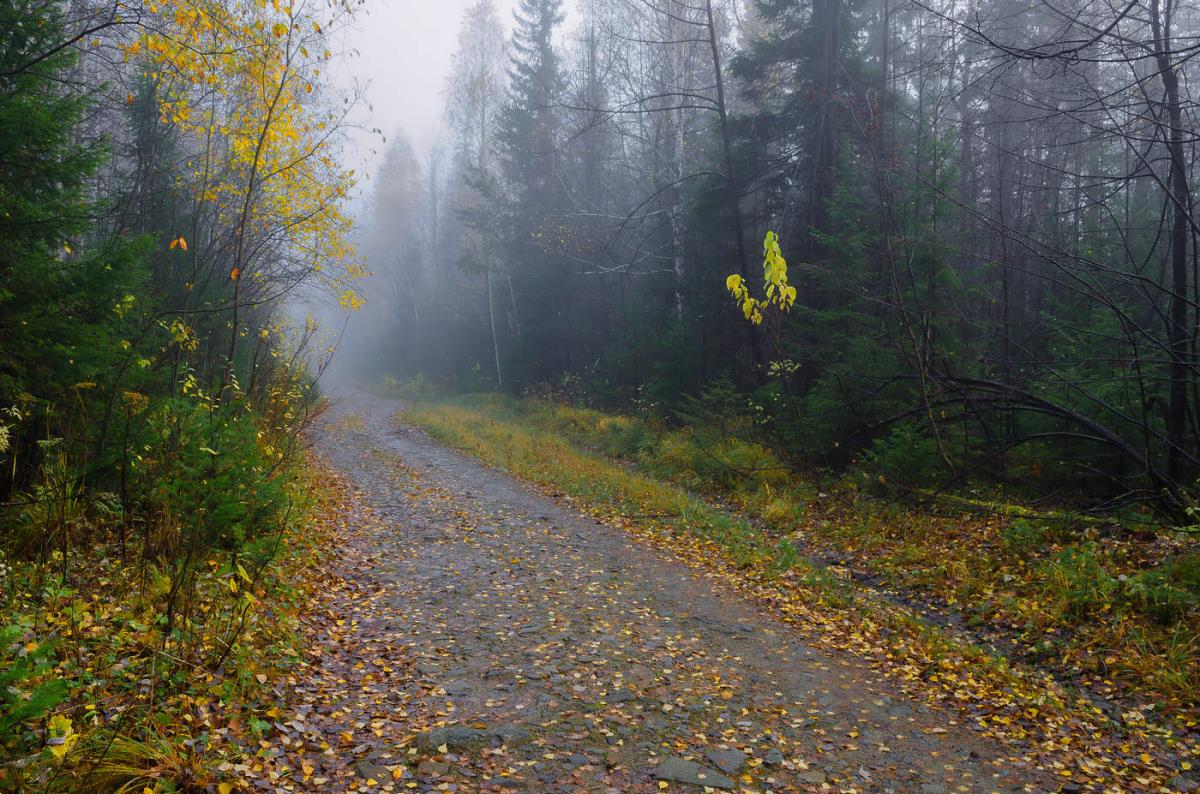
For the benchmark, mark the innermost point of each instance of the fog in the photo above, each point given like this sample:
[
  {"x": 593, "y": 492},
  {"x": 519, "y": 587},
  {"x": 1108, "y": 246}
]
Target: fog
[
  {"x": 398, "y": 53},
  {"x": 579, "y": 205},
  {"x": 394, "y": 62},
  {"x": 912, "y": 285}
]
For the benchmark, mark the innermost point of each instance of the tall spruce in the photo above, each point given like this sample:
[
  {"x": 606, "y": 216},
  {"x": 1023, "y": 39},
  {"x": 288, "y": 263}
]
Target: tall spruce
[
  {"x": 533, "y": 201},
  {"x": 529, "y": 123},
  {"x": 59, "y": 281}
]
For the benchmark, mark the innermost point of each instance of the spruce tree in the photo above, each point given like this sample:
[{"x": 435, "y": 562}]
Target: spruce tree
[
  {"x": 533, "y": 199},
  {"x": 529, "y": 122},
  {"x": 62, "y": 293}
]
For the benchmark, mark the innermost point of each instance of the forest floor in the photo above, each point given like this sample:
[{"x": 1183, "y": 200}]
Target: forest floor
[{"x": 481, "y": 634}]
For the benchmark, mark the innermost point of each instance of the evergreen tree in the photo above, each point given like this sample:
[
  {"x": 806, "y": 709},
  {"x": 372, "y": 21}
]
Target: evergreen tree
[
  {"x": 532, "y": 199},
  {"x": 799, "y": 120},
  {"x": 529, "y": 122},
  {"x": 62, "y": 295}
]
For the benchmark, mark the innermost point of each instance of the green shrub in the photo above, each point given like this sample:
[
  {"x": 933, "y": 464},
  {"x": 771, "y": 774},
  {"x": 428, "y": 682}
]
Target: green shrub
[
  {"x": 719, "y": 402},
  {"x": 213, "y": 478},
  {"x": 1154, "y": 594},
  {"x": 25, "y": 695},
  {"x": 1184, "y": 572},
  {"x": 54, "y": 505},
  {"x": 908, "y": 457},
  {"x": 621, "y": 437},
  {"x": 1022, "y": 537},
  {"x": 752, "y": 465},
  {"x": 1168, "y": 593},
  {"x": 705, "y": 461},
  {"x": 1077, "y": 581},
  {"x": 680, "y": 458}
]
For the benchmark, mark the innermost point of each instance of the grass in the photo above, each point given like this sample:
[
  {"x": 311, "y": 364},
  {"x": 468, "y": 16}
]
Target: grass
[{"x": 1061, "y": 597}]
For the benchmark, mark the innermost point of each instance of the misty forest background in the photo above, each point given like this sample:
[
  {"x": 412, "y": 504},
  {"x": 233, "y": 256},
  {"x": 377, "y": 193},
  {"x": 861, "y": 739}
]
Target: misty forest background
[{"x": 987, "y": 210}]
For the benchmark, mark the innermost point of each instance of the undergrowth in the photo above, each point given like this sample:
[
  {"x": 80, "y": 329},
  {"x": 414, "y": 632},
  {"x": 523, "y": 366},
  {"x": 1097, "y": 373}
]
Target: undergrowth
[
  {"x": 148, "y": 597},
  {"x": 108, "y": 698}
]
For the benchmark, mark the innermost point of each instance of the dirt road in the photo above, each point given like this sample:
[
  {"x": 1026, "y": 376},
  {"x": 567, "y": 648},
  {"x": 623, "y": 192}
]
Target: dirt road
[{"x": 507, "y": 642}]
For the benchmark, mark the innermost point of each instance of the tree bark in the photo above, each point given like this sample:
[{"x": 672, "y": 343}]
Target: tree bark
[
  {"x": 733, "y": 194},
  {"x": 492, "y": 321},
  {"x": 1180, "y": 193}
]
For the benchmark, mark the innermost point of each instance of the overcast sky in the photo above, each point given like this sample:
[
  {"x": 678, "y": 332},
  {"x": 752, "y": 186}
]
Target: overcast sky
[{"x": 405, "y": 48}]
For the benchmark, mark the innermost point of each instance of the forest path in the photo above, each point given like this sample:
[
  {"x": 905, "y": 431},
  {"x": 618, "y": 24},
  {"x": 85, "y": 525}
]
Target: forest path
[{"x": 567, "y": 657}]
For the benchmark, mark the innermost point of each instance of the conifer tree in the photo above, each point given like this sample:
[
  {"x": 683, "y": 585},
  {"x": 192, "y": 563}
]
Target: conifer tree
[
  {"x": 62, "y": 292},
  {"x": 529, "y": 121},
  {"x": 533, "y": 197}
]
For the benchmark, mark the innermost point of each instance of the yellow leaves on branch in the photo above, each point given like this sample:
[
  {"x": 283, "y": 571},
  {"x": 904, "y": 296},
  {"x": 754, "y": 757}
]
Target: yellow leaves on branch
[
  {"x": 239, "y": 72},
  {"x": 778, "y": 291}
]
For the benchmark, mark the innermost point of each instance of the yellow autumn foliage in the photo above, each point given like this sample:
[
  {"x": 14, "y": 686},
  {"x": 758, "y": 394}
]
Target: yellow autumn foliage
[
  {"x": 240, "y": 73},
  {"x": 778, "y": 291}
]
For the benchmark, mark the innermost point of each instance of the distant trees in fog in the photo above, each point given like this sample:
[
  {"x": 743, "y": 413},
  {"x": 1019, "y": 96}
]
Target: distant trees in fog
[{"x": 988, "y": 208}]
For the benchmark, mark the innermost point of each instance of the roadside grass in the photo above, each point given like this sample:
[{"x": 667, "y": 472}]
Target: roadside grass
[
  {"x": 670, "y": 487},
  {"x": 133, "y": 706}
]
